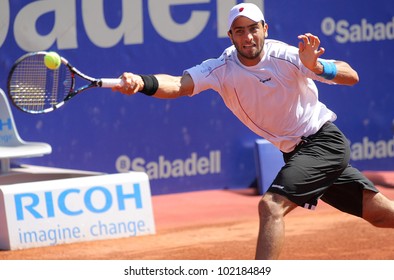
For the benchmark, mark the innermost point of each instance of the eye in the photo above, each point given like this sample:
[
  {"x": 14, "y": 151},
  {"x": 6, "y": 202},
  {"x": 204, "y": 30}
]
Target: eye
[{"x": 254, "y": 29}]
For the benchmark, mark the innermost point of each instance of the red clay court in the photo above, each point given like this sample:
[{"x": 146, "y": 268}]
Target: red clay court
[{"x": 222, "y": 225}]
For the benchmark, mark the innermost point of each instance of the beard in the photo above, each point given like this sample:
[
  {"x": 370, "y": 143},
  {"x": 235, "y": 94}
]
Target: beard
[
  {"x": 249, "y": 54},
  {"x": 253, "y": 53}
]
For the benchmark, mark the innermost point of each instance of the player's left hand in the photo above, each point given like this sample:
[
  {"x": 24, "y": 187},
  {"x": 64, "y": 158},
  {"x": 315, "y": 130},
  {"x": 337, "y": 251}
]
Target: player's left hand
[{"x": 310, "y": 51}]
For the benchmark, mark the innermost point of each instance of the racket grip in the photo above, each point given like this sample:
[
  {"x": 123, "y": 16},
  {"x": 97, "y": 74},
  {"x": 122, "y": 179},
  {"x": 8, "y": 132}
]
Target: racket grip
[{"x": 110, "y": 83}]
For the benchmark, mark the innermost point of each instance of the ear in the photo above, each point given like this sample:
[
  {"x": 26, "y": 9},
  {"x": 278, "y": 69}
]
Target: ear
[{"x": 265, "y": 30}]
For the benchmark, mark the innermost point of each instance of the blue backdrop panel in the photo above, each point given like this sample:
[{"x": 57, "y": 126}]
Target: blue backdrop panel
[{"x": 190, "y": 143}]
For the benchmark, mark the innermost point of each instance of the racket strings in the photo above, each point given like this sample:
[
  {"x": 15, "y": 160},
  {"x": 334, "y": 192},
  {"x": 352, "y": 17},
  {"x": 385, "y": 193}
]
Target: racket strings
[{"x": 34, "y": 87}]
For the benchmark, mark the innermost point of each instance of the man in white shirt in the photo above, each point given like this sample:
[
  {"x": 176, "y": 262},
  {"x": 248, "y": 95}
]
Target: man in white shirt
[{"x": 269, "y": 86}]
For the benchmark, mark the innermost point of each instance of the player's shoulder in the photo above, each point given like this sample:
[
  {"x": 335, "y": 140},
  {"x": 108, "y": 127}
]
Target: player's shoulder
[
  {"x": 278, "y": 46},
  {"x": 281, "y": 50},
  {"x": 275, "y": 43},
  {"x": 227, "y": 54}
]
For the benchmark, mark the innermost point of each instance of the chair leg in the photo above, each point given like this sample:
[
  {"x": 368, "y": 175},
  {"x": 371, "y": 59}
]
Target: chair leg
[{"x": 5, "y": 165}]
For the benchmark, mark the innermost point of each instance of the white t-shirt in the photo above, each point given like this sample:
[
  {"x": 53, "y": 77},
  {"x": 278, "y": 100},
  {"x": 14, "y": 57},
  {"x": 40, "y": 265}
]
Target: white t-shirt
[{"x": 277, "y": 98}]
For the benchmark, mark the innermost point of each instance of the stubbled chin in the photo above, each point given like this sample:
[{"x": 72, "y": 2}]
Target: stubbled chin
[{"x": 250, "y": 51}]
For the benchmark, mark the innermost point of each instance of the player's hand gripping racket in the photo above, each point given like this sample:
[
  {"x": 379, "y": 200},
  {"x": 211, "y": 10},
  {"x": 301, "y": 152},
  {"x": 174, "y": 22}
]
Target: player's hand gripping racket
[{"x": 35, "y": 89}]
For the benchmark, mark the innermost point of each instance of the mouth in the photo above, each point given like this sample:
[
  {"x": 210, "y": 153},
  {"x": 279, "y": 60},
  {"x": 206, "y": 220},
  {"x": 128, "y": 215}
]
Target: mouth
[{"x": 249, "y": 46}]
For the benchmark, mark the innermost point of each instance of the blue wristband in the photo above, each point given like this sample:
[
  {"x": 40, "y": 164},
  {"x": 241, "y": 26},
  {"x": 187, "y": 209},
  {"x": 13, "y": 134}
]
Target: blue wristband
[{"x": 329, "y": 69}]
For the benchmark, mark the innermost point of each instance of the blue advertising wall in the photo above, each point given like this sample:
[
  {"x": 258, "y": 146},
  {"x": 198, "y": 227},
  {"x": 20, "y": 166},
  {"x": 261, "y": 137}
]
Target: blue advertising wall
[{"x": 190, "y": 143}]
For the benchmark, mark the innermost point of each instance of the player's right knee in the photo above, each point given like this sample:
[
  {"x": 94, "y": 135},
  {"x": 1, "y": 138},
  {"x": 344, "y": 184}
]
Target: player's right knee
[
  {"x": 274, "y": 205},
  {"x": 268, "y": 206}
]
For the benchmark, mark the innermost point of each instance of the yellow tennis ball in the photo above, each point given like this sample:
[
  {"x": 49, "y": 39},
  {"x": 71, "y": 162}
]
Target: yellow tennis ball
[{"x": 52, "y": 60}]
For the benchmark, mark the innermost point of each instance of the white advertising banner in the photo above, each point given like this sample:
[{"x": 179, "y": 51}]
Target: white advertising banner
[{"x": 62, "y": 211}]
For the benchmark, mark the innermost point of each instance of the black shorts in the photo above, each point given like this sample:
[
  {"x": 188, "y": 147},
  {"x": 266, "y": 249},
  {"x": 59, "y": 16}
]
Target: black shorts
[{"x": 319, "y": 168}]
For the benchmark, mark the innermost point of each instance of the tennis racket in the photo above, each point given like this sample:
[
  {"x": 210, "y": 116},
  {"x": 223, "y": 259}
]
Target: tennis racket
[{"x": 35, "y": 89}]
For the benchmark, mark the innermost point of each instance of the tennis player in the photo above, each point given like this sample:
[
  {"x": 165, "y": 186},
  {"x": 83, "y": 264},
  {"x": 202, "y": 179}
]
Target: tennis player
[{"x": 270, "y": 87}]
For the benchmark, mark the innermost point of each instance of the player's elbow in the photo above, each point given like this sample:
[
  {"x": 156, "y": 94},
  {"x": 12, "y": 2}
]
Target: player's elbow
[
  {"x": 353, "y": 79},
  {"x": 350, "y": 76},
  {"x": 349, "y": 79}
]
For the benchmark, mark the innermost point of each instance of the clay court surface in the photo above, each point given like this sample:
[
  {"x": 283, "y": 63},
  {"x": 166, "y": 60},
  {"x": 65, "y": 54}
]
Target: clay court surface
[{"x": 222, "y": 225}]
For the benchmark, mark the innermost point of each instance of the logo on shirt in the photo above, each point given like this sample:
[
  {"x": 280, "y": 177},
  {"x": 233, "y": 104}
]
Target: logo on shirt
[{"x": 264, "y": 81}]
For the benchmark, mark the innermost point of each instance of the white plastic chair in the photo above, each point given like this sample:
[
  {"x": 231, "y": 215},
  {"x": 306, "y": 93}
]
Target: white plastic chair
[{"x": 11, "y": 144}]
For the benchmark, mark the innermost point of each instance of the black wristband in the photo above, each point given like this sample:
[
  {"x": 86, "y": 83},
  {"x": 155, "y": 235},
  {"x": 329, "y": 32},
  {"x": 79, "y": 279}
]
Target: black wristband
[{"x": 151, "y": 84}]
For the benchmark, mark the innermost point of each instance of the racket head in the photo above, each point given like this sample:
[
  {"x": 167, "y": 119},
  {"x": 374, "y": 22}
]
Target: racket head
[{"x": 35, "y": 89}]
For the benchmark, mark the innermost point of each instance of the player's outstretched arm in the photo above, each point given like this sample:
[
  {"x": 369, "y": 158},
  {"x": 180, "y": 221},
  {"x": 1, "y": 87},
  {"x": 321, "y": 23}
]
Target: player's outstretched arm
[
  {"x": 167, "y": 86},
  {"x": 310, "y": 50}
]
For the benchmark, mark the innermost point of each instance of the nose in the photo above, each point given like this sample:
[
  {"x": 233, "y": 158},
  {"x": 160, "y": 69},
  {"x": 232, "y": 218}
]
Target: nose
[{"x": 249, "y": 36}]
